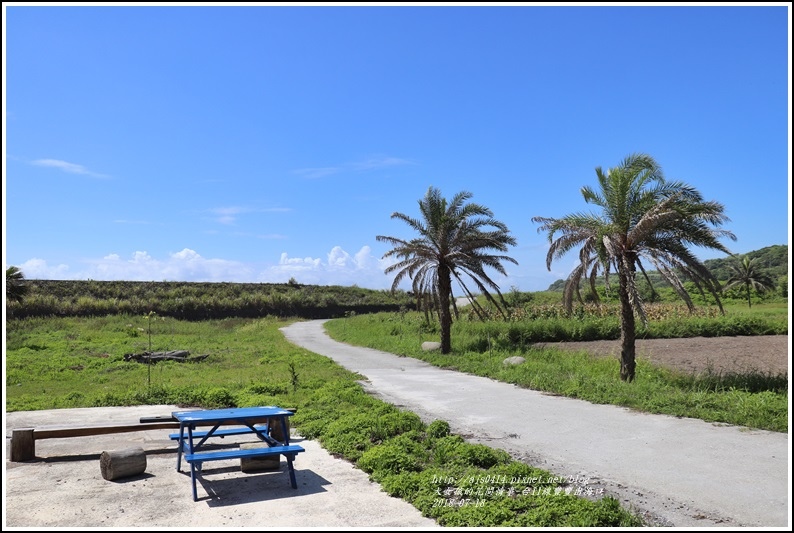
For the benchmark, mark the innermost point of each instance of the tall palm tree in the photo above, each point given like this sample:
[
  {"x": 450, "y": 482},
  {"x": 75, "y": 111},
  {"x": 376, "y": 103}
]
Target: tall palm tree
[
  {"x": 746, "y": 273},
  {"x": 456, "y": 239},
  {"x": 643, "y": 218},
  {"x": 16, "y": 289}
]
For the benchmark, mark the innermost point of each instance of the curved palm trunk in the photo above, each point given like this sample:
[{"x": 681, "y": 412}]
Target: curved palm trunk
[
  {"x": 749, "y": 301},
  {"x": 444, "y": 294},
  {"x": 627, "y": 333}
]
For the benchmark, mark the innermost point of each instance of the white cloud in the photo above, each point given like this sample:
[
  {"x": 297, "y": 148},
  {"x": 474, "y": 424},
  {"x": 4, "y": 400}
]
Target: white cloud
[
  {"x": 71, "y": 168},
  {"x": 186, "y": 265},
  {"x": 337, "y": 267},
  {"x": 364, "y": 259},
  {"x": 38, "y": 269},
  {"x": 339, "y": 259}
]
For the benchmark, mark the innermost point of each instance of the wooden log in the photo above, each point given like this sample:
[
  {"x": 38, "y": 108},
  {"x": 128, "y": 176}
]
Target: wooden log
[
  {"x": 119, "y": 464},
  {"x": 180, "y": 356},
  {"x": 23, "y": 445},
  {"x": 257, "y": 464},
  {"x": 275, "y": 425}
]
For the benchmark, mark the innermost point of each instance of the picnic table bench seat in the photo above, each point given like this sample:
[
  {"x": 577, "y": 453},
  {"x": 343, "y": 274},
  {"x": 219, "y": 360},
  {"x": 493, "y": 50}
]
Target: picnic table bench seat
[
  {"x": 196, "y": 459},
  {"x": 222, "y": 432}
]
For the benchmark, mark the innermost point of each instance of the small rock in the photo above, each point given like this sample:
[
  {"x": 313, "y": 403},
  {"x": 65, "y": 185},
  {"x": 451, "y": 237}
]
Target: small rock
[
  {"x": 429, "y": 346},
  {"x": 515, "y": 360}
]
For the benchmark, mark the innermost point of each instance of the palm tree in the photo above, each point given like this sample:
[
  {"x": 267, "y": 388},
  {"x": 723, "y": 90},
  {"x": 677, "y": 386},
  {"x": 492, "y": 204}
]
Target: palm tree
[
  {"x": 16, "y": 289},
  {"x": 643, "y": 218},
  {"x": 456, "y": 239},
  {"x": 746, "y": 273}
]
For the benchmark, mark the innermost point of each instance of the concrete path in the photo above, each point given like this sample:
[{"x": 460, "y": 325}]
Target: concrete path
[{"x": 678, "y": 472}]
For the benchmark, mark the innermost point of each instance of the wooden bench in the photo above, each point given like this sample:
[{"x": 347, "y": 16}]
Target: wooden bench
[
  {"x": 23, "y": 440},
  {"x": 196, "y": 459},
  {"x": 221, "y": 432}
]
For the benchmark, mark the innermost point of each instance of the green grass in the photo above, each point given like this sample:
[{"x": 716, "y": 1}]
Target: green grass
[
  {"x": 79, "y": 362},
  {"x": 753, "y": 399}
]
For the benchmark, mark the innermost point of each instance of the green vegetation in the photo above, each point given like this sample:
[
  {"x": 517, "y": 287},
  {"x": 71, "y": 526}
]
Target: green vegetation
[
  {"x": 66, "y": 340},
  {"x": 16, "y": 288},
  {"x": 199, "y": 301},
  {"x": 79, "y": 362},
  {"x": 747, "y": 274},
  {"x": 753, "y": 399},
  {"x": 645, "y": 221},
  {"x": 771, "y": 261}
]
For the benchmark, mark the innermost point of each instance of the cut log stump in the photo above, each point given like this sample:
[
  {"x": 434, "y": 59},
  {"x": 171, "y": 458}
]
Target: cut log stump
[
  {"x": 119, "y": 464},
  {"x": 23, "y": 445},
  {"x": 258, "y": 464}
]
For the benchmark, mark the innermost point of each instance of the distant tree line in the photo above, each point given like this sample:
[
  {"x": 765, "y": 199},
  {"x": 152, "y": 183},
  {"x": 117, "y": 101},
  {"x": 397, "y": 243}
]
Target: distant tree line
[{"x": 199, "y": 300}]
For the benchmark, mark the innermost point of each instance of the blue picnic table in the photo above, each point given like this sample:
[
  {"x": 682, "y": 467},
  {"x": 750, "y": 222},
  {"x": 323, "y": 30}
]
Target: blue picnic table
[{"x": 258, "y": 421}]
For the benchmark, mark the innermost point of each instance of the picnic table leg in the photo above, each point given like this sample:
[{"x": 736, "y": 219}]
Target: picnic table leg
[
  {"x": 193, "y": 480},
  {"x": 179, "y": 448},
  {"x": 292, "y": 480}
]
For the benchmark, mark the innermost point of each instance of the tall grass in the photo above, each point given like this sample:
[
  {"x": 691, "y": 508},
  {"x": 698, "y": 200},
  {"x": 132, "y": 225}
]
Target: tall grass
[{"x": 198, "y": 300}]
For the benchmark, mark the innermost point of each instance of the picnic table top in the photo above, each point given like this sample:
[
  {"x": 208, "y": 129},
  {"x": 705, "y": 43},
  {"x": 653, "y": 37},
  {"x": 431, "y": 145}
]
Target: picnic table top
[{"x": 241, "y": 413}]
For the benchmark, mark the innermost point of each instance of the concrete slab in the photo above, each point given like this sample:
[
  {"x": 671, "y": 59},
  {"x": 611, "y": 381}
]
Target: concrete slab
[{"x": 64, "y": 487}]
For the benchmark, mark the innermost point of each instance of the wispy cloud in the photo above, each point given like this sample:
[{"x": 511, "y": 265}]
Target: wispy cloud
[
  {"x": 262, "y": 236},
  {"x": 228, "y": 215},
  {"x": 137, "y": 222},
  {"x": 71, "y": 168},
  {"x": 314, "y": 173},
  {"x": 365, "y": 165},
  {"x": 374, "y": 163}
]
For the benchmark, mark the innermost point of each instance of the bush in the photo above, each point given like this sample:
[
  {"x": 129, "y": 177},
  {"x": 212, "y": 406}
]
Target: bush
[
  {"x": 401, "y": 454},
  {"x": 438, "y": 429},
  {"x": 219, "y": 398}
]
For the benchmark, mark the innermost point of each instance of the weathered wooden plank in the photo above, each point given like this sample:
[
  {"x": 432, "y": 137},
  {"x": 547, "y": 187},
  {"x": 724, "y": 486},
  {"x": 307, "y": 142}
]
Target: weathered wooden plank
[{"x": 56, "y": 432}]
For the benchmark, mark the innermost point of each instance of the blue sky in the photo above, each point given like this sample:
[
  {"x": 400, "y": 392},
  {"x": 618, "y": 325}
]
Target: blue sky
[{"x": 263, "y": 143}]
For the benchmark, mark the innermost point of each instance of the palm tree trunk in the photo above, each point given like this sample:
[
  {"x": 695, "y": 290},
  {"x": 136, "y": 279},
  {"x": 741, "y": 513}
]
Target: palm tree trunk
[
  {"x": 749, "y": 302},
  {"x": 627, "y": 333},
  {"x": 445, "y": 317}
]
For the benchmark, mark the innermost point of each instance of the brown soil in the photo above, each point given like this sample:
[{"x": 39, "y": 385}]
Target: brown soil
[{"x": 768, "y": 354}]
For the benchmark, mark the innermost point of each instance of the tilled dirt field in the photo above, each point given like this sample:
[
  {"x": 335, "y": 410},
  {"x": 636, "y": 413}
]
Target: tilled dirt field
[{"x": 768, "y": 354}]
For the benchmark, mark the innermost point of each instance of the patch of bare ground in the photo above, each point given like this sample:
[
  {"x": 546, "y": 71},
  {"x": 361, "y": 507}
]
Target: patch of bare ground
[{"x": 767, "y": 354}]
